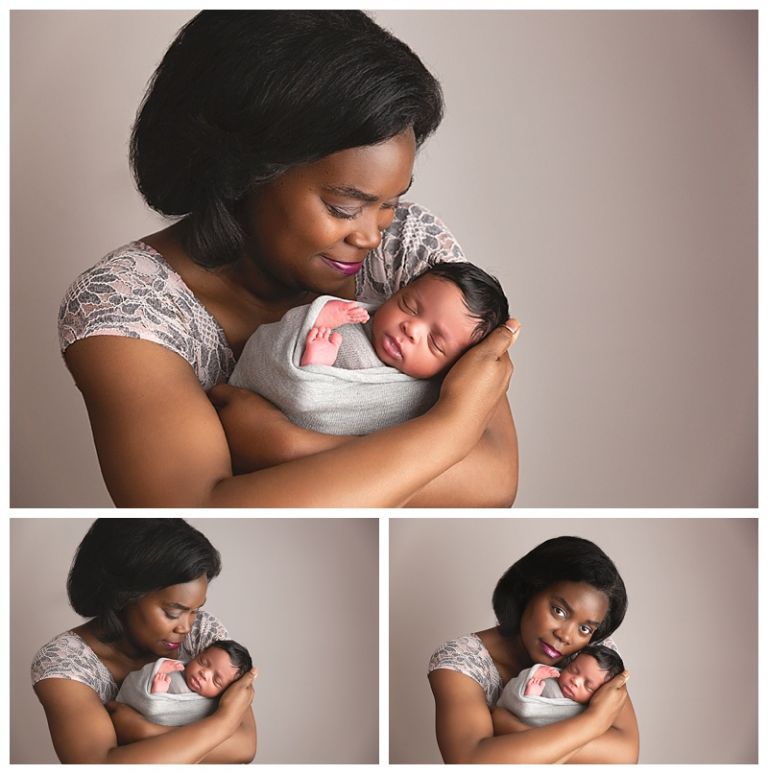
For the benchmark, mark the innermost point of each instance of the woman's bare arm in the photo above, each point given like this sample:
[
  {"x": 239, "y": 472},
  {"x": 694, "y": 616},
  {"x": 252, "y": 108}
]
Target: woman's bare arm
[
  {"x": 465, "y": 728},
  {"x": 485, "y": 478},
  {"x": 619, "y": 744},
  {"x": 160, "y": 442},
  {"x": 259, "y": 436},
  {"x": 131, "y": 726},
  {"x": 82, "y": 731}
]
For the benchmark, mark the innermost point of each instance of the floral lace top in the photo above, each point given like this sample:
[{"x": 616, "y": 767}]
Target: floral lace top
[
  {"x": 67, "y": 656},
  {"x": 469, "y": 656},
  {"x": 133, "y": 292}
]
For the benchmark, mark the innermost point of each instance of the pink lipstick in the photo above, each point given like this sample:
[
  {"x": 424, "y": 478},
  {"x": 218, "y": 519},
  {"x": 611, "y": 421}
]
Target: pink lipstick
[
  {"x": 347, "y": 269},
  {"x": 171, "y": 645},
  {"x": 550, "y": 652}
]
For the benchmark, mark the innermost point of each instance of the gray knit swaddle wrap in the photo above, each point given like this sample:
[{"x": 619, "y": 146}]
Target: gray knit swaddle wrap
[
  {"x": 535, "y": 710},
  {"x": 327, "y": 399},
  {"x": 177, "y": 709}
]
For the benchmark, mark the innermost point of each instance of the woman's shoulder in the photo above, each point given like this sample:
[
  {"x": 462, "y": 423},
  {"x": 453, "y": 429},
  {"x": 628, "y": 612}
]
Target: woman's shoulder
[
  {"x": 469, "y": 656},
  {"x": 67, "y": 656},
  {"x": 133, "y": 292},
  {"x": 415, "y": 240}
]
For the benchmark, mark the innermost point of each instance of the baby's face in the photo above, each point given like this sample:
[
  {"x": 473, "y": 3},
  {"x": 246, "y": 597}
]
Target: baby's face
[
  {"x": 424, "y": 328},
  {"x": 581, "y": 678},
  {"x": 210, "y": 672}
]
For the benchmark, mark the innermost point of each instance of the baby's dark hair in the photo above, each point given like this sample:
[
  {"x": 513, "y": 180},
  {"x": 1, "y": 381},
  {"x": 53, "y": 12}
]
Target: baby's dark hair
[
  {"x": 607, "y": 659},
  {"x": 482, "y": 293},
  {"x": 238, "y": 655}
]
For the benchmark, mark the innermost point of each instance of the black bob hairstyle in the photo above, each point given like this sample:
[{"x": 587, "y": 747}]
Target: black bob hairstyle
[
  {"x": 120, "y": 560},
  {"x": 238, "y": 654},
  {"x": 242, "y": 96},
  {"x": 555, "y": 560},
  {"x": 482, "y": 293},
  {"x": 607, "y": 659}
]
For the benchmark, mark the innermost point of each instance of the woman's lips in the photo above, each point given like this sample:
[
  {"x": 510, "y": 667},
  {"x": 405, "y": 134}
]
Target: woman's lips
[
  {"x": 171, "y": 645},
  {"x": 549, "y": 651},
  {"x": 347, "y": 269}
]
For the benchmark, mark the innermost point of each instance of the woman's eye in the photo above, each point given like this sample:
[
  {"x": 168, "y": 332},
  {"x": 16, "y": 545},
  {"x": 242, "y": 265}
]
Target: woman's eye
[
  {"x": 171, "y": 616},
  {"x": 585, "y": 629},
  {"x": 558, "y": 611},
  {"x": 340, "y": 212}
]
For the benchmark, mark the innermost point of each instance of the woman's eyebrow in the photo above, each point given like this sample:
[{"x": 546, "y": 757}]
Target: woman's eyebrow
[
  {"x": 352, "y": 192},
  {"x": 179, "y": 606}
]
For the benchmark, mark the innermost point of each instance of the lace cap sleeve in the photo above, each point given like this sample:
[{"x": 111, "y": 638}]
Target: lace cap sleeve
[
  {"x": 415, "y": 240},
  {"x": 68, "y": 657},
  {"x": 133, "y": 292},
  {"x": 469, "y": 656}
]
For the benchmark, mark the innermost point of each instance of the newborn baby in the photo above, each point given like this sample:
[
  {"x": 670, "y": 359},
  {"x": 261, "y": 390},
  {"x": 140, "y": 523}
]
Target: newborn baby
[
  {"x": 207, "y": 674},
  {"x": 377, "y": 371},
  {"x": 544, "y": 694},
  {"x": 423, "y": 328},
  {"x": 171, "y": 693}
]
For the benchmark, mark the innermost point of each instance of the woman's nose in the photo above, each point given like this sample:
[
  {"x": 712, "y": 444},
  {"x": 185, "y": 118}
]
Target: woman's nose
[
  {"x": 184, "y": 625},
  {"x": 366, "y": 233}
]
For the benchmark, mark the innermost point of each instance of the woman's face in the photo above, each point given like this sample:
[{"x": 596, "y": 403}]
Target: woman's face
[
  {"x": 561, "y": 620},
  {"x": 159, "y": 621},
  {"x": 311, "y": 228}
]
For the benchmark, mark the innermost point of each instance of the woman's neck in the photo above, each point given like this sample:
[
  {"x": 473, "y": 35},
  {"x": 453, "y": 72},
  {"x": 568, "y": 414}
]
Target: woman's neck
[{"x": 508, "y": 653}]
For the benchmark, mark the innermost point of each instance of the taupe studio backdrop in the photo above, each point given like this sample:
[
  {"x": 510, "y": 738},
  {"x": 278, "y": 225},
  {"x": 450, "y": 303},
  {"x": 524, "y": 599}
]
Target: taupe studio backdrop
[
  {"x": 692, "y": 620},
  {"x": 602, "y": 164},
  {"x": 302, "y": 595}
]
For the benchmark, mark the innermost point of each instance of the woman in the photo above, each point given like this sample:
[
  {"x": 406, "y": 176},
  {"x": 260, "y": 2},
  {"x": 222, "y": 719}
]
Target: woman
[
  {"x": 560, "y": 596},
  {"x": 284, "y": 140},
  {"x": 142, "y": 583}
]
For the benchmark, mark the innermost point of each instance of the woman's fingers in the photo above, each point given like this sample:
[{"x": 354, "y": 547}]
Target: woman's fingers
[
  {"x": 501, "y": 339},
  {"x": 621, "y": 680}
]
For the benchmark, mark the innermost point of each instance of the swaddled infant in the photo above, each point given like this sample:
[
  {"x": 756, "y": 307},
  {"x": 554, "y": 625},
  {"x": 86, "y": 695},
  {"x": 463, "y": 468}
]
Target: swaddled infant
[
  {"x": 544, "y": 694},
  {"x": 169, "y": 692},
  {"x": 377, "y": 371}
]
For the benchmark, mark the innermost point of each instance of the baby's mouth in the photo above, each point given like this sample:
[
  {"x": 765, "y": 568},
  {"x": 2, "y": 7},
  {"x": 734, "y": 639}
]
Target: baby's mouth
[{"x": 391, "y": 347}]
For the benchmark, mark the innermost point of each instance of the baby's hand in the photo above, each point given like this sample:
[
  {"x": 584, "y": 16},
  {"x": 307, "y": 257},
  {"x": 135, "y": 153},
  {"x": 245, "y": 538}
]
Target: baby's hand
[
  {"x": 337, "y": 312},
  {"x": 547, "y": 671},
  {"x": 170, "y": 665},
  {"x": 534, "y": 687},
  {"x": 322, "y": 347},
  {"x": 161, "y": 682}
]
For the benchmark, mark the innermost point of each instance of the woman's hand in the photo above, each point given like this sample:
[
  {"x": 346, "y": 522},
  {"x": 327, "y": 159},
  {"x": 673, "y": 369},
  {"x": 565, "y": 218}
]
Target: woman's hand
[
  {"x": 479, "y": 379},
  {"x": 236, "y": 700},
  {"x": 609, "y": 700}
]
